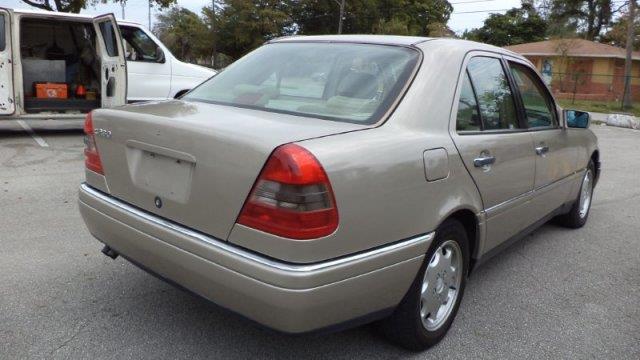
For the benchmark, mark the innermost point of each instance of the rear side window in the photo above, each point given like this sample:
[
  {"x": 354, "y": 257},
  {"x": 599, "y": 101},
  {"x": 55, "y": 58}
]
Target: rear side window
[
  {"x": 537, "y": 103},
  {"x": 468, "y": 118},
  {"x": 109, "y": 36},
  {"x": 3, "y": 38},
  {"x": 493, "y": 93}
]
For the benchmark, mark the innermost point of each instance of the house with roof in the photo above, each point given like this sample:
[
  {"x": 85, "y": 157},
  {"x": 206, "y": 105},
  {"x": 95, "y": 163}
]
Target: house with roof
[{"x": 582, "y": 69}]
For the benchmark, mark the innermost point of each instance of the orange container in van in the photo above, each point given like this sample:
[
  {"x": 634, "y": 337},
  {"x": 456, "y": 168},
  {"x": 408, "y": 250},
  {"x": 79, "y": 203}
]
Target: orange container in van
[{"x": 51, "y": 91}]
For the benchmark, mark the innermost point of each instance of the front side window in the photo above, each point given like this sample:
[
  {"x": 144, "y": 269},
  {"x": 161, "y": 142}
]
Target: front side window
[
  {"x": 139, "y": 46},
  {"x": 493, "y": 93},
  {"x": 109, "y": 36},
  {"x": 335, "y": 81},
  {"x": 468, "y": 118},
  {"x": 537, "y": 104},
  {"x": 3, "y": 39}
]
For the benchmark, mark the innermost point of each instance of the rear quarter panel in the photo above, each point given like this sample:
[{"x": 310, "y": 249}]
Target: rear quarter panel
[
  {"x": 381, "y": 192},
  {"x": 378, "y": 174}
]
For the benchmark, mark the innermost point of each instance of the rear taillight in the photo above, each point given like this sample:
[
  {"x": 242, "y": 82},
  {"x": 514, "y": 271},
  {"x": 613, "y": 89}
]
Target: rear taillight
[
  {"x": 91, "y": 155},
  {"x": 292, "y": 197}
]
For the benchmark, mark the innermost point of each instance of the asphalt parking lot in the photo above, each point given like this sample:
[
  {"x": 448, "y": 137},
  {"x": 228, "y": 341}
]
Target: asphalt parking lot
[{"x": 557, "y": 294}]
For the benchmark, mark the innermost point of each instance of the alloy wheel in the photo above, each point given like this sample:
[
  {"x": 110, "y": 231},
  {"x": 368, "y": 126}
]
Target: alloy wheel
[
  {"x": 585, "y": 193},
  {"x": 441, "y": 285}
]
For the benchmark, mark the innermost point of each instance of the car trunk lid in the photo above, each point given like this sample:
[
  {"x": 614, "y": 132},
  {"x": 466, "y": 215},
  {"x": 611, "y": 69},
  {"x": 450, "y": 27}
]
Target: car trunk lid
[{"x": 194, "y": 163}]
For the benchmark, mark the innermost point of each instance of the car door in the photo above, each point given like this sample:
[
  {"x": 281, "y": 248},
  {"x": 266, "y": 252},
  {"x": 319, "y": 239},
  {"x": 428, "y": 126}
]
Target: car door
[
  {"x": 149, "y": 69},
  {"x": 7, "y": 102},
  {"x": 555, "y": 159},
  {"x": 114, "y": 67},
  {"x": 495, "y": 148}
]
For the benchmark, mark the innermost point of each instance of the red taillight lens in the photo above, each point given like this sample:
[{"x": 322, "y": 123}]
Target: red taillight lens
[
  {"x": 292, "y": 197},
  {"x": 91, "y": 156}
]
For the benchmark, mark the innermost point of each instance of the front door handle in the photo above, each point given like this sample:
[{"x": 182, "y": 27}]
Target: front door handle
[
  {"x": 542, "y": 150},
  {"x": 484, "y": 161}
]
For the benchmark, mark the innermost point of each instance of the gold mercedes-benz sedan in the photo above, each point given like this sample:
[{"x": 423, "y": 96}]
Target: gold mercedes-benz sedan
[{"x": 330, "y": 181}]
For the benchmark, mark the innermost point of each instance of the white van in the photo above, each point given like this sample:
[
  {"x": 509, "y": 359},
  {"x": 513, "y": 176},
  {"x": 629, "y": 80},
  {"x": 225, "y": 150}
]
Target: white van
[
  {"x": 153, "y": 72},
  {"x": 61, "y": 66}
]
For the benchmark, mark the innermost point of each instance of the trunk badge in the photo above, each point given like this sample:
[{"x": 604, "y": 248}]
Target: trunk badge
[
  {"x": 158, "y": 202},
  {"x": 103, "y": 133}
]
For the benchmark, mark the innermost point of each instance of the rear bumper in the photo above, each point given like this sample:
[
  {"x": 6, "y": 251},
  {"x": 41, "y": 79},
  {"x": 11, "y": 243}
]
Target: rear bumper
[{"x": 292, "y": 298}]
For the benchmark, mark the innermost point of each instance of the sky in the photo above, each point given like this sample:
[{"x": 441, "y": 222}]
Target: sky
[{"x": 467, "y": 14}]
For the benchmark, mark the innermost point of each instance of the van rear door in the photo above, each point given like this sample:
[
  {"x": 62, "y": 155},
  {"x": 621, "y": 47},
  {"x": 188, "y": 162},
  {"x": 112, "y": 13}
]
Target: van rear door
[
  {"x": 7, "y": 103},
  {"x": 114, "y": 67}
]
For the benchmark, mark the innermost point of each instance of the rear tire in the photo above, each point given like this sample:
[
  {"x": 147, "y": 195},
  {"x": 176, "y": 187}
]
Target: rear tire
[
  {"x": 579, "y": 213},
  {"x": 427, "y": 311}
]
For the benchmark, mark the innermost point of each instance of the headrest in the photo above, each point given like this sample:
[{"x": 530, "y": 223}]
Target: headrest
[{"x": 358, "y": 85}]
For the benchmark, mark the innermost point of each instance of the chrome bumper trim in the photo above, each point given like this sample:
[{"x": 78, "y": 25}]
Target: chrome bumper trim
[{"x": 224, "y": 246}]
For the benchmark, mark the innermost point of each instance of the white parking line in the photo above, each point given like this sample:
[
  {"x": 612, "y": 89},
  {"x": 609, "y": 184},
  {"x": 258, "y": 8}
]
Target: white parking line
[{"x": 33, "y": 134}]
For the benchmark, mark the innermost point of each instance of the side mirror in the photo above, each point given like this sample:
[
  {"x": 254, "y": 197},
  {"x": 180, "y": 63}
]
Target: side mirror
[
  {"x": 159, "y": 55},
  {"x": 577, "y": 119}
]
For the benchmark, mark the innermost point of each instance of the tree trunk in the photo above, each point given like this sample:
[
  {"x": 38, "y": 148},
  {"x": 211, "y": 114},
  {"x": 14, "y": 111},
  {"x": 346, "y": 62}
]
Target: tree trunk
[
  {"x": 213, "y": 33},
  {"x": 591, "y": 19},
  {"x": 626, "y": 99},
  {"x": 341, "y": 16}
]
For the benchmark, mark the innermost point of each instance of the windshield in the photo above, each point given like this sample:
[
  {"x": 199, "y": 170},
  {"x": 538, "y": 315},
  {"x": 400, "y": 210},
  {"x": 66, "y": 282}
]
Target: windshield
[{"x": 336, "y": 81}]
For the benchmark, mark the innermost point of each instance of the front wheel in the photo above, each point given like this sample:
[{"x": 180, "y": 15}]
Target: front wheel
[
  {"x": 429, "y": 307},
  {"x": 579, "y": 213}
]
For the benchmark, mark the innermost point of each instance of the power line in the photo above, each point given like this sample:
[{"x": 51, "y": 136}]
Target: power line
[
  {"x": 471, "y": 2},
  {"x": 479, "y": 11}
]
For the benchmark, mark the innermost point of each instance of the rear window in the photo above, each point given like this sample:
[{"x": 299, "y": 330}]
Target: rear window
[
  {"x": 343, "y": 82},
  {"x": 109, "y": 36},
  {"x": 2, "y": 33}
]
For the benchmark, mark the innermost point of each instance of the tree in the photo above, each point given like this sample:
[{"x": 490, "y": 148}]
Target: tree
[
  {"x": 75, "y": 6},
  {"x": 516, "y": 26},
  {"x": 184, "y": 33},
  {"x": 243, "y": 25},
  {"x": 402, "y": 17},
  {"x": 587, "y": 17},
  {"x": 616, "y": 35}
]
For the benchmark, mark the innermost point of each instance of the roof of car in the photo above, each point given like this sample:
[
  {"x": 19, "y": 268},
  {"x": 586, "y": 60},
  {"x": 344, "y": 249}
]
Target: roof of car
[
  {"x": 365, "y": 39},
  {"x": 71, "y": 15},
  {"x": 463, "y": 45}
]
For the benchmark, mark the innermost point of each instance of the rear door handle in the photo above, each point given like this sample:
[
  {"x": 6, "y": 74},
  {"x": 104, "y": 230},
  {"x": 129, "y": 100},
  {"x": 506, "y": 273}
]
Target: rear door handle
[
  {"x": 484, "y": 161},
  {"x": 542, "y": 150}
]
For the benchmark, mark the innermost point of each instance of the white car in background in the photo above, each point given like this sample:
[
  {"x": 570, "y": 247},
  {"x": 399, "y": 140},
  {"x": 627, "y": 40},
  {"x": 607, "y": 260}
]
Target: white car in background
[
  {"x": 153, "y": 73},
  {"x": 61, "y": 66}
]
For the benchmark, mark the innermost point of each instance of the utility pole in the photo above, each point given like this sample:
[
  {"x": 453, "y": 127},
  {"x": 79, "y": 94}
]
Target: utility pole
[
  {"x": 149, "y": 15},
  {"x": 341, "y": 15},
  {"x": 123, "y": 4},
  {"x": 213, "y": 33},
  {"x": 626, "y": 99}
]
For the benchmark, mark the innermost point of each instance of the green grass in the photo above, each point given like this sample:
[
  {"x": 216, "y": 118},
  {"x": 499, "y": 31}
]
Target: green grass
[{"x": 599, "y": 106}]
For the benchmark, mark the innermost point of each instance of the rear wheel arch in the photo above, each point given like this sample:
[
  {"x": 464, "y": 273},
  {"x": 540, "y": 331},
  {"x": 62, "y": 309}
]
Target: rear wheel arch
[{"x": 469, "y": 221}]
